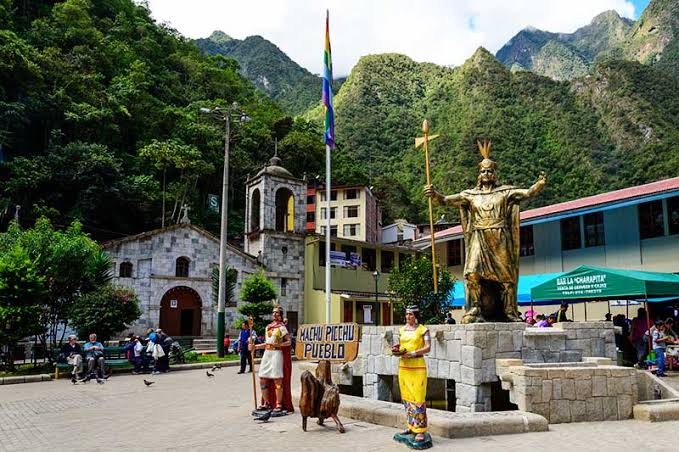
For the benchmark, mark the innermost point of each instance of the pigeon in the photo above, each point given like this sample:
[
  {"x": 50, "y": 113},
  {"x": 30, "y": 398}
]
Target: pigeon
[
  {"x": 100, "y": 381},
  {"x": 73, "y": 379},
  {"x": 207, "y": 372},
  {"x": 216, "y": 367},
  {"x": 264, "y": 417},
  {"x": 148, "y": 383}
]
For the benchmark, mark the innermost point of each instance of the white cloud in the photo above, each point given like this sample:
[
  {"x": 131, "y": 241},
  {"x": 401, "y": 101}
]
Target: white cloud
[{"x": 445, "y": 32}]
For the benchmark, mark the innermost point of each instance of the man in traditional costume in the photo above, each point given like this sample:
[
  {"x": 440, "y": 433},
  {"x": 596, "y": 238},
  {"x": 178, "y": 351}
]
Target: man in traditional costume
[
  {"x": 415, "y": 342},
  {"x": 489, "y": 215},
  {"x": 271, "y": 369}
]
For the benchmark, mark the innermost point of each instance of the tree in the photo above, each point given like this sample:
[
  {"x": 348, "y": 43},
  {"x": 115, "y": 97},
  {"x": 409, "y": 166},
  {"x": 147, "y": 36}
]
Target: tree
[
  {"x": 413, "y": 284},
  {"x": 21, "y": 290},
  {"x": 257, "y": 292},
  {"x": 70, "y": 264},
  {"x": 105, "y": 312},
  {"x": 231, "y": 277}
]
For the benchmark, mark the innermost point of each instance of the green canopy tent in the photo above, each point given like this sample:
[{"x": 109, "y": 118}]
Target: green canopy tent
[{"x": 600, "y": 283}]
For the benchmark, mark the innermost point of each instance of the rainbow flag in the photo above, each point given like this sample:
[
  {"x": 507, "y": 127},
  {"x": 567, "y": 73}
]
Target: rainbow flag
[{"x": 327, "y": 88}]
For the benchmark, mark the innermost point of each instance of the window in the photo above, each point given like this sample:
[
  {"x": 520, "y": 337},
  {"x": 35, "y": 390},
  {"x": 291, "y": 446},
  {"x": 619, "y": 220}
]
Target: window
[
  {"x": 594, "y": 229},
  {"x": 570, "y": 233},
  {"x": 352, "y": 230},
  {"x": 321, "y": 254},
  {"x": 526, "y": 241},
  {"x": 369, "y": 259},
  {"x": 350, "y": 211},
  {"x": 351, "y": 194},
  {"x": 651, "y": 220},
  {"x": 333, "y": 213},
  {"x": 254, "y": 210},
  {"x": 125, "y": 270},
  {"x": 673, "y": 214},
  {"x": 311, "y": 199},
  {"x": 182, "y": 267},
  {"x": 348, "y": 249},
  {"x": 454, "y": 250},
  {"x": 311, "y": 217},
  {"x": 285, "y": 210},
  {"x": 333, "y": 231},
  {"x": 333, "y": 195},
  {"x": 284, "y": 287},
  {"x": 387, "y": 261}
]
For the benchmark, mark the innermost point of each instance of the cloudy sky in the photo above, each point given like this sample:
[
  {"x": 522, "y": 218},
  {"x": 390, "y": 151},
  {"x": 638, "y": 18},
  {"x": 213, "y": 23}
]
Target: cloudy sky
[{"x": 445, "y": 32}]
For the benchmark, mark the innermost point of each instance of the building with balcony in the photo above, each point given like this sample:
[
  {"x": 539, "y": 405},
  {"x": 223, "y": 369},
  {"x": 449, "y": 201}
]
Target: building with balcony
[
  {"x": 358, "y": 292},
  {"x": 354, "y": 213}
]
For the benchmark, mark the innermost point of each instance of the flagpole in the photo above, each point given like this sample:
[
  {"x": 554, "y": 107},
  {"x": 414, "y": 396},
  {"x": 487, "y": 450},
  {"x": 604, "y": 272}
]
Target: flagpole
[
  {"x": 329, "y": 137},
  {"x": 327, "y": 235}
]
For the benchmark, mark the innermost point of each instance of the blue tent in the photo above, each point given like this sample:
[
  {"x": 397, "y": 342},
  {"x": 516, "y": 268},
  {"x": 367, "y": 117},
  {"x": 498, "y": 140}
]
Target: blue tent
[{"x": 526, "y": 283}]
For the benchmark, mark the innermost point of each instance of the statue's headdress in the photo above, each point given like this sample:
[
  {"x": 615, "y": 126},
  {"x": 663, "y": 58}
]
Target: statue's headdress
[{"x": 484, "y": 149}]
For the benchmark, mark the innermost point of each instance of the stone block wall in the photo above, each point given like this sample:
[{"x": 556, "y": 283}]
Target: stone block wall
[
  {"x": 467, "y": 354},
  {"x": 573, "y": 392}
]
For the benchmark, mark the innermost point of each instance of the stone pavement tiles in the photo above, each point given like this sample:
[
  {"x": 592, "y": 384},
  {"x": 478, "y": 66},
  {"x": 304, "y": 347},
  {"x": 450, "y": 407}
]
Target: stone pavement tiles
[{"x": 187, "y": 411}]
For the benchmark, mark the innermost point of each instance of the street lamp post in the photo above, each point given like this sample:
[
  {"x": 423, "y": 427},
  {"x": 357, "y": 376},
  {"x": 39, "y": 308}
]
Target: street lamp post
[
  {"x": 221, "y": 298},
  {"x": 376, "y": 277}
]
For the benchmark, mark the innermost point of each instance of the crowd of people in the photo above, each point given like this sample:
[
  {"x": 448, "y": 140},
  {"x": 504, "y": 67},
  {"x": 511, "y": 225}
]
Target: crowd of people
[
  {"x": 647, "y": 340},
  {"x": 140, "y": 351}
]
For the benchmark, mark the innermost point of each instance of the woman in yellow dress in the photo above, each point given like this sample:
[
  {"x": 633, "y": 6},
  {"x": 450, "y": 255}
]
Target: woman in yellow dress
[{"x": 415, "y": 341}]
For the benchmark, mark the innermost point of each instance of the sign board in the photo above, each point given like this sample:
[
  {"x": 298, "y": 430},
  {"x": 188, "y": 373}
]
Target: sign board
[
  {"x": 213, "y": 203},
  {"x": 336, "y": 342},
  {"x": 338, "y": 258},
  {"x": 355, "y": 259},
  {"x": 586, "y": 285},
  {"x": 173, "y": 304}
]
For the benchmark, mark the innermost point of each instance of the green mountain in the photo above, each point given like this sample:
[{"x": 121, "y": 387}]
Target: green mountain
[
  {"x": 269, "y": 68},
  {"x": 617, "y": 128},
  {"x": 654, "y": 39},
  {"x": 564, "y": 56}
]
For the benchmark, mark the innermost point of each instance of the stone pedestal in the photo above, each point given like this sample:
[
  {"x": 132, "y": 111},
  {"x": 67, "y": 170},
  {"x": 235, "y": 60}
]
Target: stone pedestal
[{"x": 467, "y": 354}]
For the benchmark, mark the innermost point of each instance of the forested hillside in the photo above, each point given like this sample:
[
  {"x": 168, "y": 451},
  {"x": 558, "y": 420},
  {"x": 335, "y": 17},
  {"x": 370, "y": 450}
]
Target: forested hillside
[
  {"x": 99, "y": 105},
  {"x": 617, "y": 128},
  {"x": 269, "y": 68}
]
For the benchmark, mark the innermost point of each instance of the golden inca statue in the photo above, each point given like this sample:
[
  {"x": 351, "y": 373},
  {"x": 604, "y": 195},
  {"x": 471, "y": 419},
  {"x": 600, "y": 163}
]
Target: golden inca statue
[{"x": 489, "y": 214}]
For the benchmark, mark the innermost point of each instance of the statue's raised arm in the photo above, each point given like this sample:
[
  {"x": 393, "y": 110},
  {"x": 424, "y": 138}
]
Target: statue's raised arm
[
  {"x": 451, "y": 200},
  {"x": 520, "y": 194}
]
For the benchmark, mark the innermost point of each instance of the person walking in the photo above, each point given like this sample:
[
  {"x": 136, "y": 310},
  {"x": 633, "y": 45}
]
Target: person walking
[{"x": 242, "y": 347}]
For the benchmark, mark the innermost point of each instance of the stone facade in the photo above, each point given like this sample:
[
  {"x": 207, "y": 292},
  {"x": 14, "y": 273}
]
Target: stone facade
[
  {"x": 467, "y": 355},
  {"x": 571, "y": 392},
  {"x": 153, "y": 256},
  {"x": 269, "y": 243}
]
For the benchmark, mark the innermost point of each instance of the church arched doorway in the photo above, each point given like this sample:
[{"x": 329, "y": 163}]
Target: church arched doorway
[{"x": 180, "y": 312}]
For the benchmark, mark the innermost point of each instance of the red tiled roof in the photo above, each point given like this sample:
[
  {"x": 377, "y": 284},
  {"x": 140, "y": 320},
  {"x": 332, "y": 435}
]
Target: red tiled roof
[{"x": 582, "y": 203}]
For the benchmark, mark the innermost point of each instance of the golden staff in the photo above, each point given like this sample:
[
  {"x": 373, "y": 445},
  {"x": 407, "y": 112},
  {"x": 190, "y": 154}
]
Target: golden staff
[
  {"x": 252, "y": 340},
  {"x": 419, "y": 141}
]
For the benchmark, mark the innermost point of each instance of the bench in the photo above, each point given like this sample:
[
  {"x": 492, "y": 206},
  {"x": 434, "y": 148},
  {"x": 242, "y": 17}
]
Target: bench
[{"x": 114, "y": 357}]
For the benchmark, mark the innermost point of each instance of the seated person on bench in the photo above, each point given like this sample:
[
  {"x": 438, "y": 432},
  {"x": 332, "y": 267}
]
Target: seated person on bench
[
  {"x": 71, "y": 353},
  {"x": 94, "y": 353}
]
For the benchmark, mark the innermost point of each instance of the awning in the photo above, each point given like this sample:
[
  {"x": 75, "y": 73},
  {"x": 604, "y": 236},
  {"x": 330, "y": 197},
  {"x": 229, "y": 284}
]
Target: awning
[
  {"x": 526, "y": 283},
  {"x": 600, "y": 283}
]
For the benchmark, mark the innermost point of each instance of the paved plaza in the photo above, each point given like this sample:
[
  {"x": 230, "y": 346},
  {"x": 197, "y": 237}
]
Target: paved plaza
[{"x": 189, "y": 411}]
